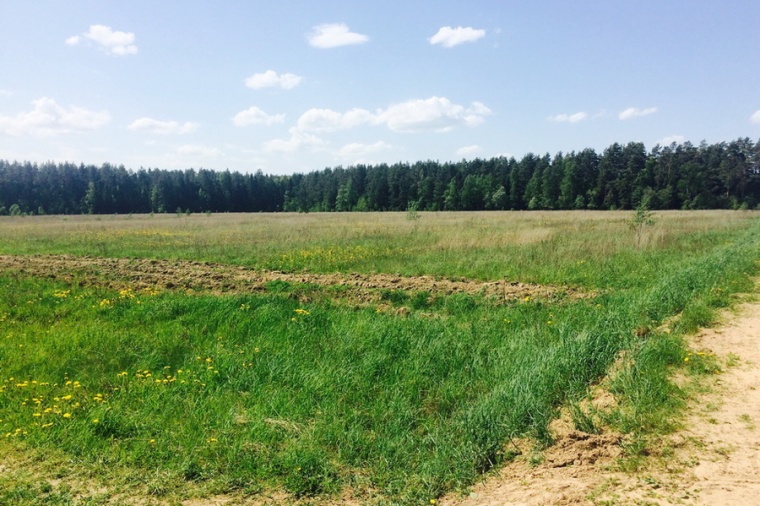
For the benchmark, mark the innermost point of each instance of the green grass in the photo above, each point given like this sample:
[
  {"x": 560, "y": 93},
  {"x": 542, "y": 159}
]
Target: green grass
[{"x": 249, "y": 393}]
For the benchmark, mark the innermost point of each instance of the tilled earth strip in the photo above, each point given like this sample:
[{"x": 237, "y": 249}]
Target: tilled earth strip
[{"x": 220, "y": 278}]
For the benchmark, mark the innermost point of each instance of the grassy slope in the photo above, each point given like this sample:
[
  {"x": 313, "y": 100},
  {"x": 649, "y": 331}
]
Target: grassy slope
[{"x": 311, "y": 398}]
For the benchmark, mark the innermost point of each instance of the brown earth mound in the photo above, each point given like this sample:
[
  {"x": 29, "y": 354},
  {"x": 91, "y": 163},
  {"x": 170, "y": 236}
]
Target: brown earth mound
[{"x": 220, "y": 278}]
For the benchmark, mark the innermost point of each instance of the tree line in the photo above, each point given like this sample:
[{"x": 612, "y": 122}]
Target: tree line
[{"x": 725, "y": 175}]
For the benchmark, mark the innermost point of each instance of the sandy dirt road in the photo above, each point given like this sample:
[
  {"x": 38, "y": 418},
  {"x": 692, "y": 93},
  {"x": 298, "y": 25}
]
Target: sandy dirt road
[{"x": 713, "y": 460}]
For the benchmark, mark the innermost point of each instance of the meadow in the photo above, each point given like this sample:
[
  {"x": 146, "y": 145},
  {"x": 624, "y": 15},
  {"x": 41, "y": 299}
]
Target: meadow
[{"x": 398, "y": 397}]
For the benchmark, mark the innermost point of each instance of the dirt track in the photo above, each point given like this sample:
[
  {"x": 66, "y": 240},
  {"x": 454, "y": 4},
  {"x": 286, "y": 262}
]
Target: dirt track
[
  {"x": 219, "y": 278},
  {"x": 713, "y": 460}
]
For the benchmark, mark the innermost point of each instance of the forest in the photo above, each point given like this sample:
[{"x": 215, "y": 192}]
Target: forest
[{"x": 724, "y": 175}]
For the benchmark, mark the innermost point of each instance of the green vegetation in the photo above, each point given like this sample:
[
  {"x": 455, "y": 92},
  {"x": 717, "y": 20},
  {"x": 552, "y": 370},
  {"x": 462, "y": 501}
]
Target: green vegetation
[
  {"x": 247, "y": 393},
  {"x": 679, "y": 176}
]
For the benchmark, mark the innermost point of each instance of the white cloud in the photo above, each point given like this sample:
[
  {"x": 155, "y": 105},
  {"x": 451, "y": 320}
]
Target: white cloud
[
  {"x": 437, "y": 114},
  {"x": 49, "y": 118},
  {"x": 112, "y": 42},
  {"x": 633, "y": 112},
  {"x": 569, "y": 118},
  {"x": 450, "y": 37},
  {"x": 271, "y": 79},
  {"x": 255, "y": 116},
  {"x": 297, "y": 140},
  {"x": 667, "y": 141},
  {"x": 358, "y": 150},
  {"x": 198, "y": 150},
  {"x": 155, "y": 126},
  {"x": 755, "y": 118},
  {"x": 327, "y": 120},
  {"x": 334, "y": 35},
  {"x": 469, "y": 150}
]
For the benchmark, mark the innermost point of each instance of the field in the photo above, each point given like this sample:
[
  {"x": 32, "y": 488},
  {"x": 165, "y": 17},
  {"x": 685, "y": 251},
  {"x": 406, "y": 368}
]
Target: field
[{"x": 375, "y": 358}]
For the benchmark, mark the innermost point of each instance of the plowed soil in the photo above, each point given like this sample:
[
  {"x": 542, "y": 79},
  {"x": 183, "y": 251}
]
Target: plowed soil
[{"x": 219, "y": 278}]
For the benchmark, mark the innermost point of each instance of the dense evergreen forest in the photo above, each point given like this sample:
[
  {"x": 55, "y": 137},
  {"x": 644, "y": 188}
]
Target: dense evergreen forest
[{"x": 679, "y": 176}]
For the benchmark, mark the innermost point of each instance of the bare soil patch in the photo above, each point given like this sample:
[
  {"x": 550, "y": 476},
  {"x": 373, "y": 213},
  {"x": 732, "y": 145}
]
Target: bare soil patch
[{"x": 219, "y": 278}]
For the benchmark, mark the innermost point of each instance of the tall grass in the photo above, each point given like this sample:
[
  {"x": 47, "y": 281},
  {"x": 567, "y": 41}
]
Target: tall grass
[
  {"x": 584, "y": 248},
  {"x": 260, "y": 392}
]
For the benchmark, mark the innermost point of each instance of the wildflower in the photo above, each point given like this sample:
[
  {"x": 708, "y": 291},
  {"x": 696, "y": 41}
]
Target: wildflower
[
  {"x": 95, "y": 421},
  {"x": 301, "y": 312},
  {"x": 212, "y": 440},
  {"x": 66, "y": 415}
]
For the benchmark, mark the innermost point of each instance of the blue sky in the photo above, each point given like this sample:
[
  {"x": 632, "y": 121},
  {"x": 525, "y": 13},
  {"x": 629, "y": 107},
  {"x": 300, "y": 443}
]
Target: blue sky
[{"x": 294, "y": 86}]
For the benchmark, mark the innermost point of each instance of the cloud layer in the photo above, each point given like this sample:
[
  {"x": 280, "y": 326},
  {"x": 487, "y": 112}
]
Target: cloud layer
[
  {"x": 110, "y": 41},
  {"x": 434, "y": 114},
  {"x": 569, "y": 118},
  {"x": 755, "y": 118},
  {"x": 271, "y": 79},
  {"x": 633, "y": 112},
  {"x": 450, "y": 37},
  {"x": 334, "y": 35},
  {"x": 155, "y": 126},
  {"x": 255, "y": 116},
  {"x": 48, "y": 118}
]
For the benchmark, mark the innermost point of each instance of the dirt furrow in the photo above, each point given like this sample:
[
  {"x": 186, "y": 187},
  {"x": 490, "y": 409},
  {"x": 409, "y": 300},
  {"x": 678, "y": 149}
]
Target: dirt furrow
[{"x": 221, "y": 278}]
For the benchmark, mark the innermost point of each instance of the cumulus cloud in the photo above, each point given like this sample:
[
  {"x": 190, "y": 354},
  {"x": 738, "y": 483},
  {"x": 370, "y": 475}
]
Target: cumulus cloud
[
  {"x": 155, "y": 126},
  {"x": 755, "y": 118},
  {"x": 667, "y": 141},
  {"x": 633, "y": 112},
  {"x": 255, "y": 116},
  {"x": 48, "y": 118},
  {"x": 297, "y": 140},
  {"x": 469, "y": 150},
  {"x": 358, "y": 150},
  {"x": 271, "y": 79},
  {"x": 112, "y": 42},
  {"x": 436, "y": 114},
  {"x": 334, "y": 35},
  {"x": 327, "y": 120},
  {"x": 450, "y": 37},
  {"x": 569, "y": 118}
]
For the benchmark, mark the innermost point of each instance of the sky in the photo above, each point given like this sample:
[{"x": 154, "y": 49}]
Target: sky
[{"x": 296, "y": 86}]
